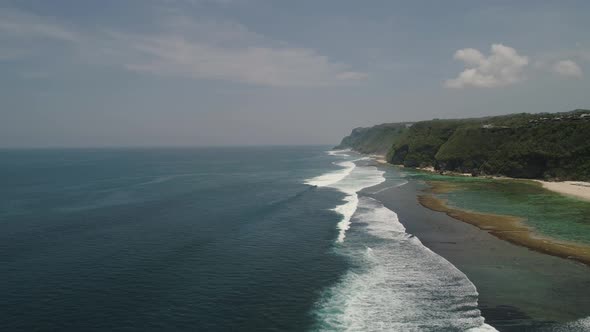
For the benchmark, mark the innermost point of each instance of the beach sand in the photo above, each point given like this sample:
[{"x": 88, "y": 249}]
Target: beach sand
[
  {"x": 519, "y": 289},
  {"x": 571, "y": 188},
  {"x": 379, "y": 158}
]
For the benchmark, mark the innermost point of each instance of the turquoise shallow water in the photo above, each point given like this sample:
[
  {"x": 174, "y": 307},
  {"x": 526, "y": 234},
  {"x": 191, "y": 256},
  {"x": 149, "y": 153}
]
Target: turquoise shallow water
[{"x": 548, "y": 213}]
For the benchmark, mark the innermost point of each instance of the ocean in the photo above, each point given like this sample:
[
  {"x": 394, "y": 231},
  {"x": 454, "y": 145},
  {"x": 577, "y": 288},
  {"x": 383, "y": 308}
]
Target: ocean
[{"x": 216, "y": 239}]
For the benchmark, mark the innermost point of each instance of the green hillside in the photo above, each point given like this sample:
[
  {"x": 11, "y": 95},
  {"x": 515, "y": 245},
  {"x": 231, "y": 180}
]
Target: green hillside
[
  {"x": 374, "y": 140},
  {"x": 550, "y": 146},
  {"x": 520, "y": 145},
  {"x": 419, "y": 145}
]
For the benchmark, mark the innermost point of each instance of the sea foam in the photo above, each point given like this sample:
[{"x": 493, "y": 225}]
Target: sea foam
[
  {"x": 349, "y": 180},
  {"x": 342, "y": 153},
  {"x": 330, "y": 178},
  {"x": 581, "y": 325},
  {"x": 396, "y": 283}
]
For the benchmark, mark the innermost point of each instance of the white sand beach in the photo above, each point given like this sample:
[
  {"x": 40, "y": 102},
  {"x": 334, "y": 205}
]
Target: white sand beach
[{"x": 572, "y": 188}]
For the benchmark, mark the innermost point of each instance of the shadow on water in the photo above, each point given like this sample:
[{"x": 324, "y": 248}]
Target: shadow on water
[{"x": 506, "y": 318}]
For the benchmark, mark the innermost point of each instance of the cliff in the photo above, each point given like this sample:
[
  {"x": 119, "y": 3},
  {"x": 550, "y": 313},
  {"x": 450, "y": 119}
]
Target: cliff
[
  {"x": 539, "y": 146},
  {"x": 374, "y": 140}
]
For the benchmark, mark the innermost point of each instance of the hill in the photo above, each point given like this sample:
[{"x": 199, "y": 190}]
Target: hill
[
  {"x": 536, "y": 146},
  {"x": 374, "y": 140}
]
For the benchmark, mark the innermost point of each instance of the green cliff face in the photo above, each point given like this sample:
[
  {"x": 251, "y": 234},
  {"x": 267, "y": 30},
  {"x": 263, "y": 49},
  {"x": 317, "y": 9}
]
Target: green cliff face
[
  {"x": 374, "y": 140},
  {"x": 555, "y": 146},
  {"x": 419, "y": 145}
]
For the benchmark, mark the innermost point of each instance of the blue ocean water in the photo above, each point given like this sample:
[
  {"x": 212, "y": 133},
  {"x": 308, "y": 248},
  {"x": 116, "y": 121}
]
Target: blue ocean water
[{"x": 203, "y": 239}]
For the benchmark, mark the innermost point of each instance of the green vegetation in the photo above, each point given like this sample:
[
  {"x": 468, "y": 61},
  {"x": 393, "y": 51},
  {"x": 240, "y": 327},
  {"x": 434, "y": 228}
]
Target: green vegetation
[
  {"x": 377, "y": 139},
  {"x": 418, "y": 147},
  {"x": 549, "y": 146}
]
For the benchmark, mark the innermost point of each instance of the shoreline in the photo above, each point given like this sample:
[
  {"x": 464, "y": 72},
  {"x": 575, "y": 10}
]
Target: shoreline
[
  {"x": 504, "y": 227},
  {"x": 574, "y": 189},
  {"x": 379, "y": 158},
  {"x": 577, "y": 189},
  {"x": 500, "y": 270}
]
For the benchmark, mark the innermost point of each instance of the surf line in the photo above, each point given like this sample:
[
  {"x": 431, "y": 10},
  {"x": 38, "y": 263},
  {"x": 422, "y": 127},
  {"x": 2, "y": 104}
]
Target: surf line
[
  {"x": 349, "y": 180},
  {"x": 374, "y": 293}
]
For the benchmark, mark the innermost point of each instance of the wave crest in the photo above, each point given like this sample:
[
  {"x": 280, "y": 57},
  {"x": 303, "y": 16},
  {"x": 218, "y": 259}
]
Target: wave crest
[
  {"x": 349, "y": 180},
  {"x": 396, "y": 283}
]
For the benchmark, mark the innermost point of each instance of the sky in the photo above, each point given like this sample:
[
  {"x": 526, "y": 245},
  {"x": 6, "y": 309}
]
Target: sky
[{"x": 272, "y": 72}]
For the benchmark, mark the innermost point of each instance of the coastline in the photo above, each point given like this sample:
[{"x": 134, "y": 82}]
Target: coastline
[
  {"x": 577, "y": 189},
  {"x": 518, "y": 288},
  {"x": 502, "y": 271},
  {"x": 508, "y": 228},
  {"x": 379, "y": 158}
]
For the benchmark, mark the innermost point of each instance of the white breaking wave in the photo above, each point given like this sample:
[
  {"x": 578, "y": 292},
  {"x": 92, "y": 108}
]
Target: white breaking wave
[
  {"x": 349, "y": 180},
  {"x": 330, "y": 178},
  {"x": 580, "y": 325},
  {"x": 397, "y": 283},
  {"x": 342, "y": 153}
]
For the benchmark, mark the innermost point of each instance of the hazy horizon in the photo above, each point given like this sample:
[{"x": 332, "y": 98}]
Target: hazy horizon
[
  {"x": 147, "y": 147},
  {"x": 223, "y": 73}
]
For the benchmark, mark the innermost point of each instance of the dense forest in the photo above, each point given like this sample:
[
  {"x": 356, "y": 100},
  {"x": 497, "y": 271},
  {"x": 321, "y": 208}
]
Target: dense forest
[{"x": 540, "y": 146}]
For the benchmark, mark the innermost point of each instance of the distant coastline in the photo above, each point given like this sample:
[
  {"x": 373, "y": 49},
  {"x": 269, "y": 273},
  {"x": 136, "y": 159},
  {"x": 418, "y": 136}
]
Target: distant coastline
[
  {"x": 540, "y": 146},
  {"x": 576, "y": 189}
]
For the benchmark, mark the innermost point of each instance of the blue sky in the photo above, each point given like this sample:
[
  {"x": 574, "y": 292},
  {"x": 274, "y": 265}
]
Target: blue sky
[{"x": 248, "y": 72}]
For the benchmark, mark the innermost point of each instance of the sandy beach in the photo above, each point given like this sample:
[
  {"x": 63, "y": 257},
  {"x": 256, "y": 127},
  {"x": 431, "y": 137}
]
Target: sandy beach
[
  {"x": 379, "y": 158},
  {"x": 576, "y": 189}
]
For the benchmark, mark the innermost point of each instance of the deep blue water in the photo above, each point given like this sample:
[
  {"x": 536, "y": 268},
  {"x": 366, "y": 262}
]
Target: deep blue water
[
  {"x": 248, "y": 239},
  {"x": 166, "y": 239}
]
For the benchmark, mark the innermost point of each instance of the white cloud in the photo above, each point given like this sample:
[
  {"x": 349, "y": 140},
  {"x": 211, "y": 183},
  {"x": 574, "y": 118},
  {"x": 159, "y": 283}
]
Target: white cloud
[
  {"x": 24, "y": 35},
  {"x": 229, "y": 51},
  {"x": 17, "y": 24},
  {"x": 177, "y": 56},
  {"x": 203, "y": 49},
  {"x": 504, "y": 66},
  {"x": 567, "y": 68}
]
